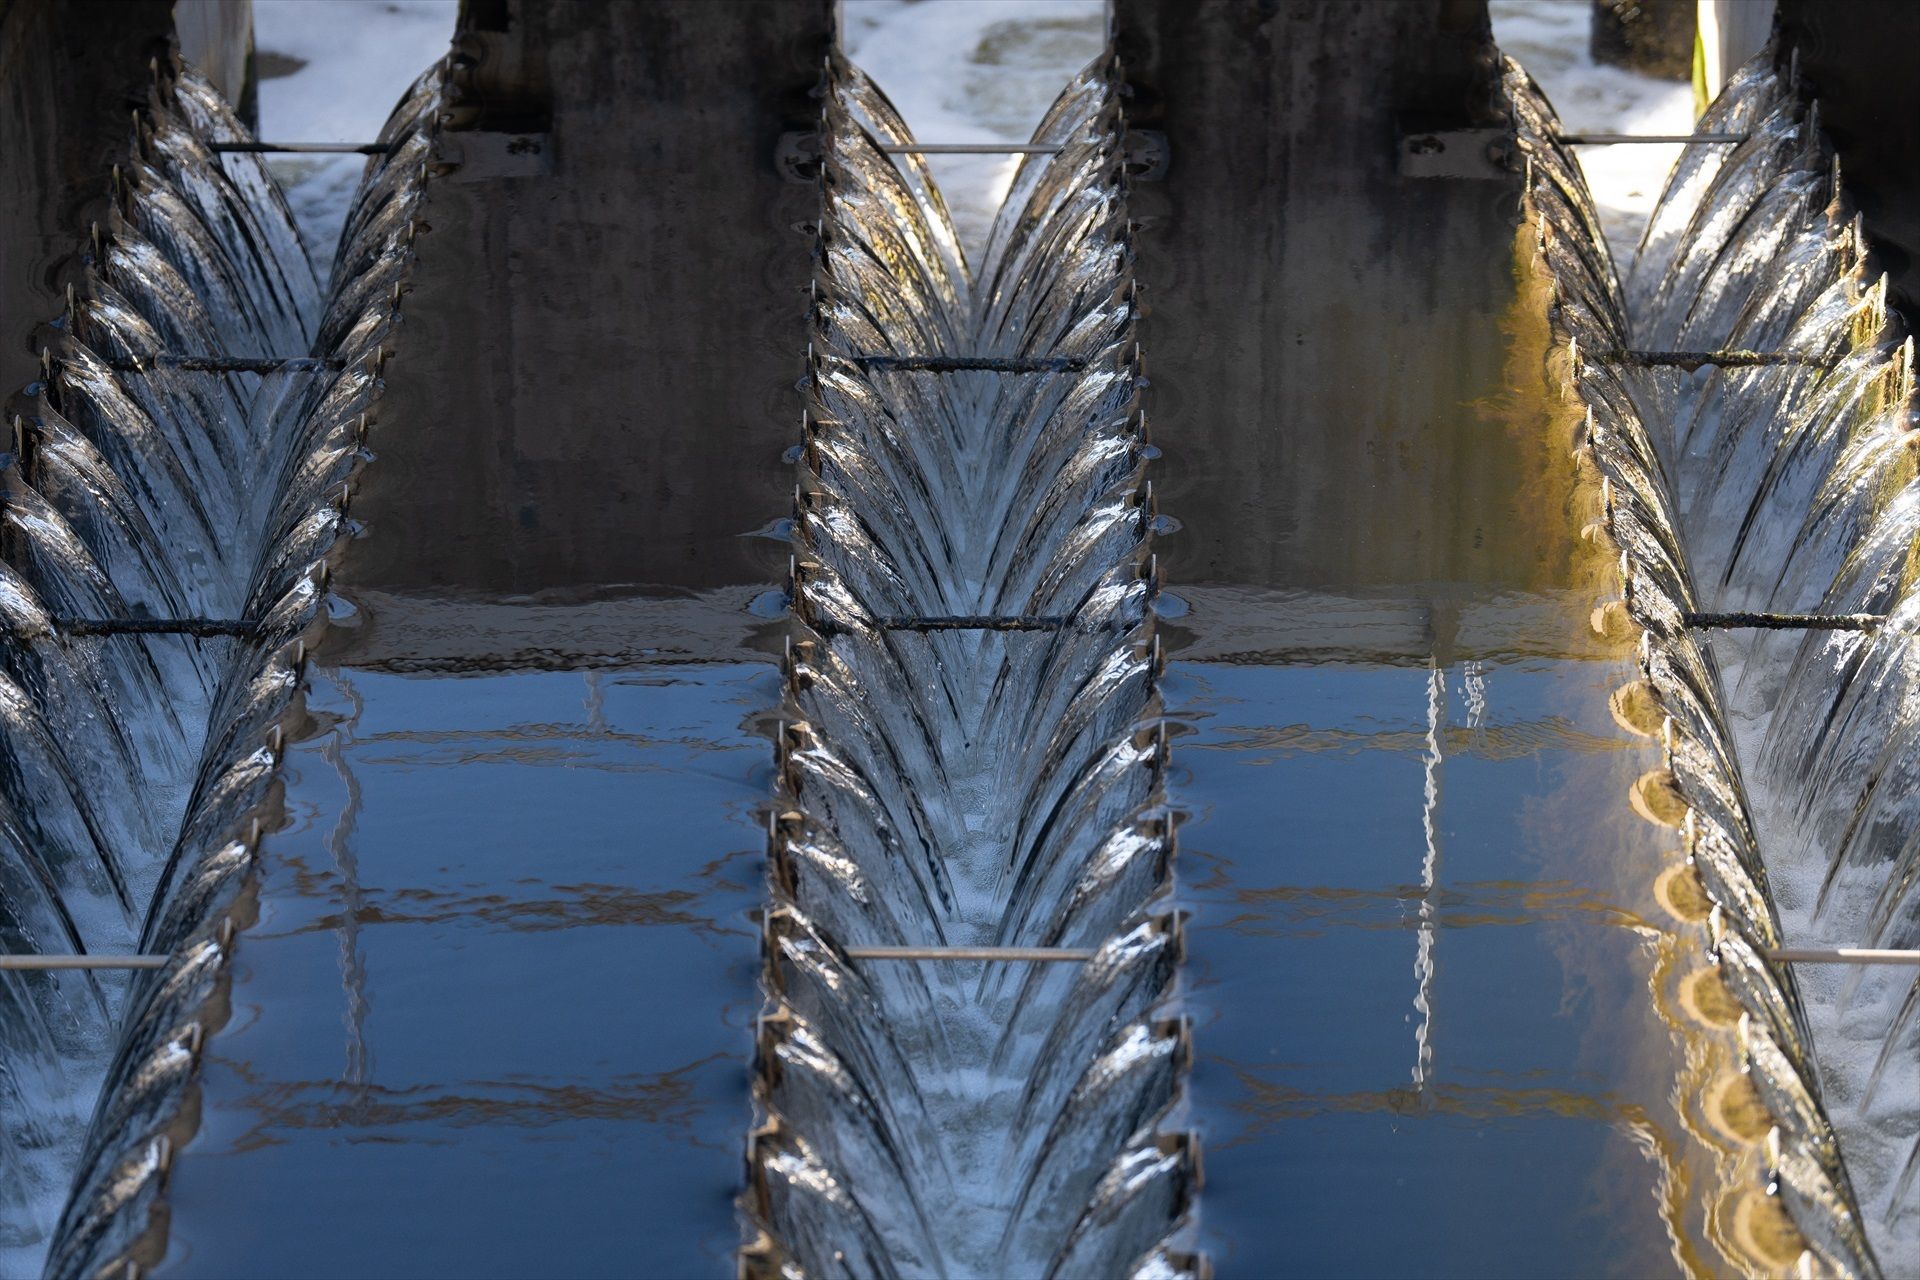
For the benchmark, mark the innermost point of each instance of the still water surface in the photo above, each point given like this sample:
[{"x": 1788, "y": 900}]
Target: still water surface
[
  {"x": 1426, "y": 957},
  {"x": 495, "y": 1012}
]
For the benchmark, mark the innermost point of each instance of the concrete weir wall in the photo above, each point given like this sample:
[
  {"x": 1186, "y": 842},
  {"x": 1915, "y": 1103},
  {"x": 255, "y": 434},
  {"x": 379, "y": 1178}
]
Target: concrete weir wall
[
  {"x": 500, "y": 994},
  {"x": 1326, "y": 264},
  {"x": 598, "y": 379},
  {"x": 1856, "y": 60}
]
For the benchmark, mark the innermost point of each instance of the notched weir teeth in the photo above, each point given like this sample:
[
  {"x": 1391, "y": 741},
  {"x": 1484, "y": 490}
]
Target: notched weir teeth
[{"x": 973, "y": 456}]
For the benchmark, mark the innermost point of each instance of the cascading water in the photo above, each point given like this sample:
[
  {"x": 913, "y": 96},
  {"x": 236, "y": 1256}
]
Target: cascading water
[
  {"x": 1795, "y": 491},
  {"x": 1779, "y": 487},
  {"x": 138, "y": 767},
  {"x": 969, "y": 785}
]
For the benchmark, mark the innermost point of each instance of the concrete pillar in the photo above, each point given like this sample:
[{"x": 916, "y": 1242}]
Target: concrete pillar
[
  {"x": 216, "y": 39},
  {"x": 595, "y": 381},
  {"x": 1859, "y": 61},
  {"x": 1731, "y": 32},
  {"x": 1328, "y": 263},
  {"x": 71, "y": 72}
]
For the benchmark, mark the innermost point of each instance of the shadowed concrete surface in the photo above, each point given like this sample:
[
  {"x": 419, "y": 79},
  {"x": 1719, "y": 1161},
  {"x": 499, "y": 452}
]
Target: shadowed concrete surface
[
  {"x": 1316, "y": 319},
  {"x": 71, "y": 74},
  {"x": 495, "y": 1015},
  {"x": 602, "y": 333}
]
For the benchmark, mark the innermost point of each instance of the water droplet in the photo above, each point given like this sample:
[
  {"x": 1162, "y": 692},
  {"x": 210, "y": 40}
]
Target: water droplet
[{"x": 770, "y": 604}]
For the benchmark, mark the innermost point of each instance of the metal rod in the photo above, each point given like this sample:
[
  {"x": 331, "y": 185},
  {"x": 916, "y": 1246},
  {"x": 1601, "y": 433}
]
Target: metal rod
[
  {"x": 1041, "y": 955},
  {"x": 230, "y": 364},
  {"x": 1786, "y": 621},
  {"x": 306, "y": 148},
  {"x": 967, "y": 622},
  {"x": 1843, "y": 955},
  {"x": 971, "y": 149},
  {"x": 958, "y": 364},
  {"x": 83, "y": 962},
  {"x": 1613, "y": 139},
  {"x": 1692, "y": 360},
  {"x": 157, "y": 626}
]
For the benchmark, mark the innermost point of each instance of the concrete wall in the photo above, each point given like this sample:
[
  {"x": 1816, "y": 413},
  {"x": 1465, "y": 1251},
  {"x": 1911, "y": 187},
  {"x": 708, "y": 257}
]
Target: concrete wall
[
  {"x": 594, "y": 384},
  {"x": 1324, "y": 327},
  {"x": 1860, "y": 61},
  {"x": 1731, "y": 31},
  {"x": 216, "y": 38},
  {"x": 71, "y": 71}
]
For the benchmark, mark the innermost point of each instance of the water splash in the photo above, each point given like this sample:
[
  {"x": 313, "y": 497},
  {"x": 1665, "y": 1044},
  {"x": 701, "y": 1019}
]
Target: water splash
[
  {"x": 1796, "y": 485},
  {"x": 1780, "y": 488},
  {"x": 971, "y": 787},
  {"x": 136, "y": 772}
]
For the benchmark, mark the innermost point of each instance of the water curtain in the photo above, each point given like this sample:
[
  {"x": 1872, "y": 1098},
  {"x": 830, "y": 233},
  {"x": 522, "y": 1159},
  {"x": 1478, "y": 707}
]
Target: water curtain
[
  {"x": 168, "y": 474},
  {"x": 1795, "y": 489},
  {"x": 1771, "y": 477},
  {"x": 969, "y": 755}
]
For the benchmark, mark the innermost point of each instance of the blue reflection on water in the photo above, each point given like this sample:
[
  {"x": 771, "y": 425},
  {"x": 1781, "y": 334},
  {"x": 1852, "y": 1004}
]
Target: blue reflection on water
[
  {"x": 1466, "y": 1078},
  {"x": 493, "y": 1018}
]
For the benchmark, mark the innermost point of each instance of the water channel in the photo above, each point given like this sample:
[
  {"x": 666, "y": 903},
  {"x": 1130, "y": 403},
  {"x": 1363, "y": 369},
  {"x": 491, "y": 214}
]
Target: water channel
[{"x": 1366, "y": 747}]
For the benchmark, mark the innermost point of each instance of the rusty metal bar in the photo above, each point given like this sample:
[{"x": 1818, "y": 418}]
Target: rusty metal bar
[
  {"x": 82, "y": 962},
  {"x": 305, "y": 148},
  {"x": 1843, "y": 955},
  {"x": 1786, "y": 621},
  {"x": 971, "y": 149},
  {"x": 960, "y": 364},
  {"x": 1037, "y": 955},
  {"x": 1614, "y": 139},
  {"x": 157, "y": 626},
  {"x": 972, "y": 622},
  {"x": 230, "y": 364},
  {"x": 1692, "y": 360}
]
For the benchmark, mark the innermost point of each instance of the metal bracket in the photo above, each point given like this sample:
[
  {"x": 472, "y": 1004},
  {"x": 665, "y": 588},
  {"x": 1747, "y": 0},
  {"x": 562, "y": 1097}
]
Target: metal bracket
[
  {"x": 479, "y": 156},
  {"x": 1457, "y": 153},
  {"x": 797, "y": 157},
  {"x": 1146, "y": 154}
]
